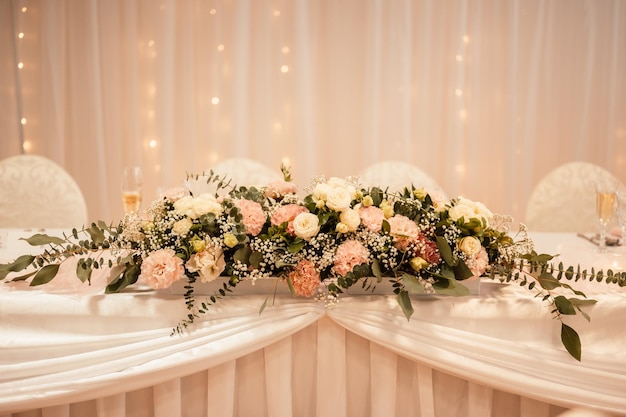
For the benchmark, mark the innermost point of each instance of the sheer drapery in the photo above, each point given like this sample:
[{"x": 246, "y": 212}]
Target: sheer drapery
[{"x": 485, "y": 96}]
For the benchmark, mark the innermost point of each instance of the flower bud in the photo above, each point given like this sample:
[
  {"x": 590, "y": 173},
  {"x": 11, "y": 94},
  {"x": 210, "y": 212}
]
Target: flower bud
[
  {"x": 342, "y": 228},
  {"x": 418, "y": 263},
  {"x": 367, "y": 201},
  {"x": 198, "y": 245},
  {"x": 230, "y": 240}
]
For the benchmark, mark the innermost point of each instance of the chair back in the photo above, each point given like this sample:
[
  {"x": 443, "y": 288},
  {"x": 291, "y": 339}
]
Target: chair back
[
  {"x": 37, "y": 193},
  {"x": 397, "y": 175},
  {"x": 565, "y": 199}
]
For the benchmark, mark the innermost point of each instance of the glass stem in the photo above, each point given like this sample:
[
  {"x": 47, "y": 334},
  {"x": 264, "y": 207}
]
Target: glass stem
[{"x": 602, "y": 246}]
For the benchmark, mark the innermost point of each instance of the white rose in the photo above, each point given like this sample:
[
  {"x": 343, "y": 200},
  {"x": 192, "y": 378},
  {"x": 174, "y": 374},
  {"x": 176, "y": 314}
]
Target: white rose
[
  {"x": 182, "y": 226},
  {"x": 351, "y": 219},
  {"x": 339, "y": 199},
  {"x": 206, "y": 203},
  {"x": 306, "y": 225},
  {"x": 469, "y": 245},
  {"x": 320, "y": 192},
  {"x": 335, "y": 182},
  {"x": 461, "y": 210},
  {"x": 184, "y": 207}
]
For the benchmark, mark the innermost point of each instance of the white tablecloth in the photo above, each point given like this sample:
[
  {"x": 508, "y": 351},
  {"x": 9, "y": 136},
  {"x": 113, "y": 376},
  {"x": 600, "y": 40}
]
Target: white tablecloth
[{"x": 495, "y": 354}]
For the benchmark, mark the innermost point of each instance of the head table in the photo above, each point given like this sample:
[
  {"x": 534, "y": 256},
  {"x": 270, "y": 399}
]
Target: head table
[{"x": 73, "y": 351}]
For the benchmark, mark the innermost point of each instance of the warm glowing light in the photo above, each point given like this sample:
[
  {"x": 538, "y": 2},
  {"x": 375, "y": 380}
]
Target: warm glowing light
[
  {"x": 157, "y": 168},
  {"x": 463, "y": 114},
  {"x": 278, "y": 126},
  {"x": 152, "y": 143},
  {"x": 213, "y": 157},
  {"x": 459, "y": 58},
  {"x": 213, "y": 11},
  {"x": 465, "y": 39},
  {"x": 150, "y": 114},
  {"x": 276, "y": 13},
  {"x": 20, "y": 65},
  {"x": 151, "y": 43},
  {"x": 458, "y": 92},
  {"x": 220, "y": 47},
  {"x": 27, "y": 146},
  {"x": 286, "y": 161},
  {"x": 20, "y": 35},
  {"x": 23, "y": 121},
  {"x": 215, "y": 100},
  {"x": 284, "y": 69},
  {"x": 24, "y": 9},
  {"x": 285, "y": 49},
  {"x": 153, "y": 54},
  {"x": 460, "y": 169}
]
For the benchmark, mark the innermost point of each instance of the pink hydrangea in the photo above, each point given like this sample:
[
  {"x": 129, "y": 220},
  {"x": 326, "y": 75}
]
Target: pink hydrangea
[
  {"x": 372, "y": 218},
  {"x": 305, "y": 278},
  {"x": 253, "y": 216},
  {"x": 403, "y": 230},
  {"x": 161, "y": 269},
  {"x": 478, "y": 265},
  {"x": 278, "y": 189},
  {"x": 349, "y": 254},
  {"x": 287, "y": 213}
]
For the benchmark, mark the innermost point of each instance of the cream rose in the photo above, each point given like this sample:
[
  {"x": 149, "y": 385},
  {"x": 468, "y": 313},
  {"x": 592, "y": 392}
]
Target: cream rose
[
  {"x": 209, "y": 263},
  {"x": 461, "y": 210},
  {"x": 196, "y": 207},
  {"x": 306, "y": 225},
  {"x": 338, "y": 199},
  {"x": 469, "y": 245},
  {"x": 351, "y": 219},
  {"x": 182, "y": 226}
]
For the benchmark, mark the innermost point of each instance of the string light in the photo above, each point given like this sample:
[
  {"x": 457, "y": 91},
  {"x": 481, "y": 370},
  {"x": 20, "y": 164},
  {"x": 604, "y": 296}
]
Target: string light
[
  {"x": 27, "y": 146},
  {"x": 213, "y": 12},
  {"x": 20, "y": 65},
  {"x": 24, "y": 9},
  {"x": 220, "y": 47},
  {"x": 23, "y": 121},
  {"x": 466, "y": 39},
  {"x": 152, "y": 143},
  {"x": 20, "y": 35},
  {"x": 284, "y": 69},
  {"x": 276, "y": 13},
  {"x": 458, "y": 92},
  {"x": 459, "y": 58},
  {"x": 215, "y": 100},
  {"x": 285, "y": 49}
]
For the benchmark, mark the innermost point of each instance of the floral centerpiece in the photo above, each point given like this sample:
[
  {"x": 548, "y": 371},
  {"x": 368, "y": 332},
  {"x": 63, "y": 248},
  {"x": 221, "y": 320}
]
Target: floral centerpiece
[{"x": 337, "y": 236}]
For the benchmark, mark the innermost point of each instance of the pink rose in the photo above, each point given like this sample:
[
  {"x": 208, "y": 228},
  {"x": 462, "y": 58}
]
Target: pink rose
[
  {"x": 162, "y": 268},
  {"x": 175, "y": 194},
  {"x": 287, "y": 213},
  {"x": 479, "y": 263},
  {"x": 278, "y": 189},
  {"x": 372, "y": 218},
  {"x": 253, "y": 216},
  {"x": 403, "y": 230},
  {"x": 349, "y": 254},
  {"x": 305, "y": 278}
]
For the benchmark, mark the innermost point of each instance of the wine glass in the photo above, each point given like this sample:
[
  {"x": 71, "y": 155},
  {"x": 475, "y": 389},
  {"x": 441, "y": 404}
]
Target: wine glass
[
  {"x": 131, "y": 189},
  {"x": 621, "y": 213},
  {"x": 606, "y": 197}
]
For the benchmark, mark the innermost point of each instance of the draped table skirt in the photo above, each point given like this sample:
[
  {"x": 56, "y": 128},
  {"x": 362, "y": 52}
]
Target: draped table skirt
[{"x": 494, "y": 354}]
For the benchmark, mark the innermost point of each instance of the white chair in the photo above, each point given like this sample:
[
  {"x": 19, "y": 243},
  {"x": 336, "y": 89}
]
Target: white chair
[
  {"x": 397, "y": 175},
  {"x": 565, "y": 199},
  {"x": 35, "y": 192}
]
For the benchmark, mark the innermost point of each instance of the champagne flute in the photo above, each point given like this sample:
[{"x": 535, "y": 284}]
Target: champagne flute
[
  {"x": 606, "y": 198},
  {"x": 131, "y": 189}
]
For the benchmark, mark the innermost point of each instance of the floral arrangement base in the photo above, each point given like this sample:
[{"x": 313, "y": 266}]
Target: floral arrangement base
[{"x": 268, "y": 286}]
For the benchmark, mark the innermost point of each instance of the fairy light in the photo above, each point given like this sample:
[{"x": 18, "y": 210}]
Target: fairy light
[
  {"x": 220, "y": 47},
  {"x": 24, "y": 9},
  {"x": 276, "y": 13},
  {"x": 152, "y": 143},
  {"x": 213, "y": 12},
  {"x": 20, "y": 65},
  {"x": 458, "y": 92},
  {"x": 285, "y": 50},
  {"x": 23, "y": 121},
  {"x": 459, "y": 58},
  {"x": 20, "y": 35},
  {"x": 466, "y": 39},
  {"x": 284, "y": 69},
  {"x": 27, "y": 146},
  {"x": 215, "y": 100}
]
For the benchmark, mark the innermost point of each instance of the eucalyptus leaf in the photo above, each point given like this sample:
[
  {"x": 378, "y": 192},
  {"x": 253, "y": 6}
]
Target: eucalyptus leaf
[
  {"x": 564, "y": 306},
  {"x": 405, "y": 303},
  {"x": 376, "y": 270},
  {"x": 412, "y": 284},
  {"x": 548, "y": 282},
  {"x": 445, "y": 251},
  {"x": 128, "y": 277},
  {"x": 17, "y": 265},
  {"x": 453, "y": 288},
  {"x": 41, "y": 239},
  {"x": 263, "y": 305},
  {"x": 571, "y": 341},
  {"x": 45, "y": 275}
]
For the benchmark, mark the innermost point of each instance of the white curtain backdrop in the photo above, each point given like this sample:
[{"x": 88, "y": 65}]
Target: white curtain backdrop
[{"x": 485, "y": 96}]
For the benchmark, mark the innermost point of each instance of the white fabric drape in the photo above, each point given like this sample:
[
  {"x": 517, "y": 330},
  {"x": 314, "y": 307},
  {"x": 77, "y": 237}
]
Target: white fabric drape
[
  {"x": 495, "y": 354},
  {"x": 485, "y": 96}
]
